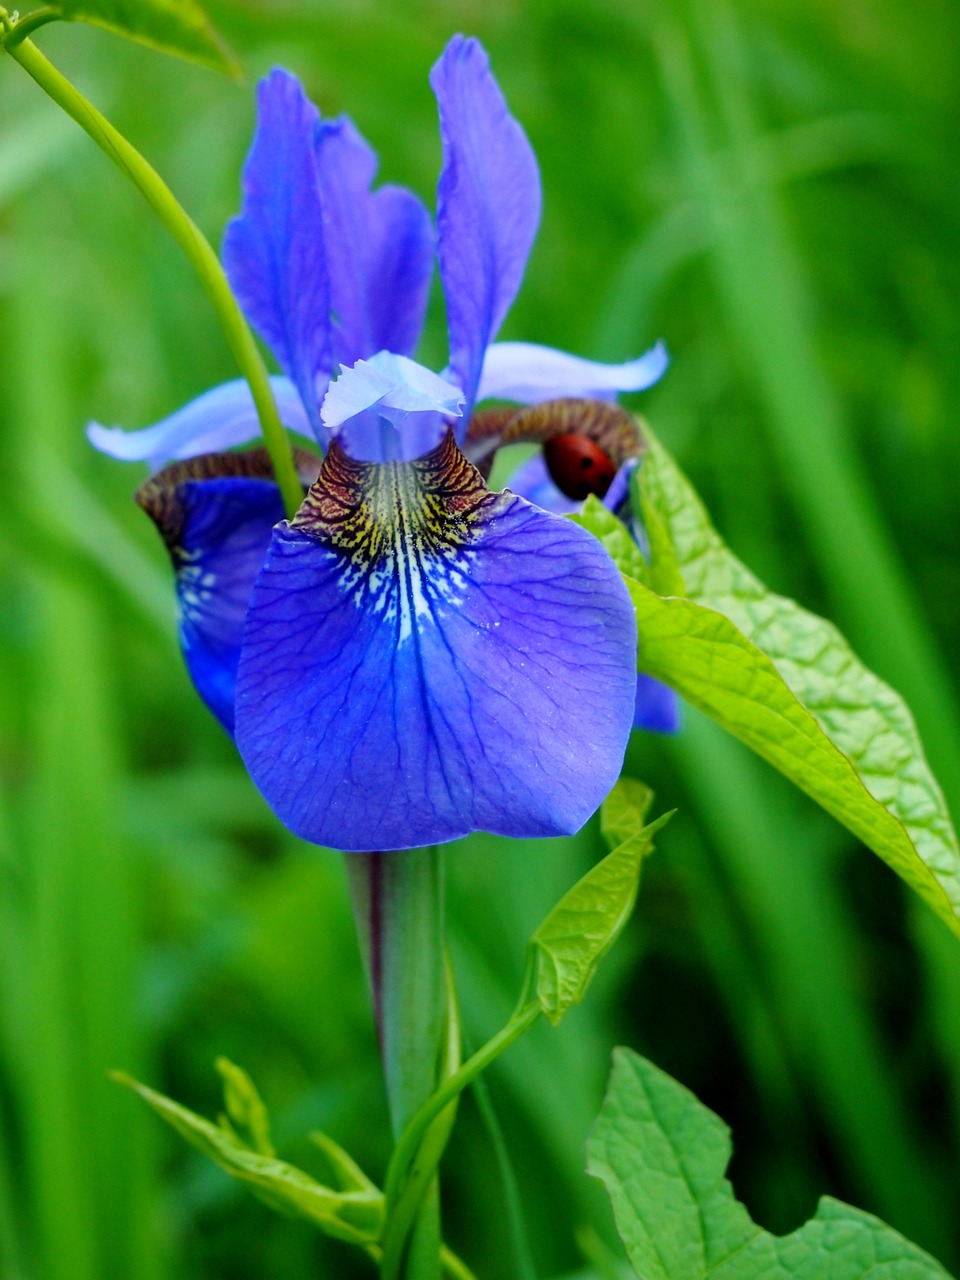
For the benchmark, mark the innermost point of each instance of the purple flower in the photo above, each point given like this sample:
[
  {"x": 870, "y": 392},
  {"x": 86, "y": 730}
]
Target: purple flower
[{"x": 412, "y": 657}]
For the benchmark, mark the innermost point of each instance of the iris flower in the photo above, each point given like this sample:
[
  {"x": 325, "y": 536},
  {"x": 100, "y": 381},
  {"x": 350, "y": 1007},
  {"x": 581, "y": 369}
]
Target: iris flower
[{"x": 413, "y": 656}]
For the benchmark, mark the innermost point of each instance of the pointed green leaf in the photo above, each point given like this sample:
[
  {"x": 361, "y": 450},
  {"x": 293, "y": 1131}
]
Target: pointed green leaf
[
  {"x": 349, "y": 1175},
  {"x": 355, "y": 1216},
  {"x": 245, "y": 1107},
  {"x": 788, "y": 685},
  {"x": 172, "y": 26},
  {"x": 662, "y": 1155},
  {"x": 585, "y": 923},
  {"x": 624, "y": 811}
]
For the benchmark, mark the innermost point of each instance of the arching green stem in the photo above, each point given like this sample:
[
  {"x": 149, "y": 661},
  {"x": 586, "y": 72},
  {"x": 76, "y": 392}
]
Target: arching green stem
[
  {"x": 191, "y": 239},
  {"x": 15, "y": 33}
]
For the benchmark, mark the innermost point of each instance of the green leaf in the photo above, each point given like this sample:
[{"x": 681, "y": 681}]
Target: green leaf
[
  {"x": 585, "y": 923},
  {"x": 245, "y": 1107},
  {"x": 617, "y": 540},
  {"x": 172, "y": 26},
  {"x": 662, "y": 1155},
  {"x": 354, "y": 1215},
  {"x": 349, "y": 1175},
  {"x": 624, "y": 811},
  {"x": 788, "y": 685}
]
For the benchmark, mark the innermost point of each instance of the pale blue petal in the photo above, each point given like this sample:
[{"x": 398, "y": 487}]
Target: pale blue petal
[
  {"x": 221, "y": 418},
  {"x": 528, "y": 373},
  {"x": 386, "y": 393}
]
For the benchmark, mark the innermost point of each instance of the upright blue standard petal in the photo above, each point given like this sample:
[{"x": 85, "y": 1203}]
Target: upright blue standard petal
[
  {"x": 488, "y": 205},
  {"x": 273, "y": 250},
  {"x": 424, "y": 658},
  {"x": 378, "y": 247}
]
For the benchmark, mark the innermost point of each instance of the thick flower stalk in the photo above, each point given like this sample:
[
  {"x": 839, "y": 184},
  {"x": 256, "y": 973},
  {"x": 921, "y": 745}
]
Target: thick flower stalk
[{"x": 413, "y": 656}]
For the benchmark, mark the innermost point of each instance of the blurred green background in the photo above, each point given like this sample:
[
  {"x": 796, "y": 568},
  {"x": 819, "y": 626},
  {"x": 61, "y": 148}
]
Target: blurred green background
[{"x": 772, "y": 188}]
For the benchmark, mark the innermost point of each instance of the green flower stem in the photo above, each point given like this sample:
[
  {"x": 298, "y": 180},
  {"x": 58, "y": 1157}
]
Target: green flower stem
[
  {"x": 422, "y": 1182},
  {"x": 194, "y": 244},
  {"x": 407, "y": 1150},
  {"x": 398, "y": 905}
]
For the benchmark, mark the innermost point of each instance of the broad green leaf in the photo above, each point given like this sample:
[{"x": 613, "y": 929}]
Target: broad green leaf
[
  {"x": 585, "y": 923},
  {"x": 786, "y": 683},
  {"x": 662, "y": 1155},
  {"x": 245, "y": 1107},
  {"x": 354, "y": 1215},
  {"x": 617, "y": 540},
  {"x": 172, "y": 26}
]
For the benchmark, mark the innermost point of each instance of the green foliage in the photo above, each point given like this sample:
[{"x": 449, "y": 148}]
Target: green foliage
[
  {"x": 662, "y": 1155},
  {"x": 623, "y": 812},
  {"x": 173, "y": 26},
  {"x": 787, "y": 683},
  {"x": 772, "y": 965},
  {"x": 354, "y": 1213},
  {"x": 245, "y": 1109},
  {"x": 586, "y": 922}
]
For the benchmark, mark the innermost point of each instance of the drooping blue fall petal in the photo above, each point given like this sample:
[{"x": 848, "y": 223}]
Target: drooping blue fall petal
[
  {"x": 273, "y": 251},
  {"x": 216, "y": 514},
  {"x": 528, "y": 373},
  {"x": 221, "y": 418},
  {"x": 488, "y": 205},
  {"x": 378, "y": 246},
  {"x": 657, "y": 707},
  {"x": 423, "y": 658}
]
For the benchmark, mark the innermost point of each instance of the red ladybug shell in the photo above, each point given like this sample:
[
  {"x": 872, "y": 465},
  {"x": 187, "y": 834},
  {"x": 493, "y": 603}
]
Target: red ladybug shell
[{"x": 577, "y": 466}]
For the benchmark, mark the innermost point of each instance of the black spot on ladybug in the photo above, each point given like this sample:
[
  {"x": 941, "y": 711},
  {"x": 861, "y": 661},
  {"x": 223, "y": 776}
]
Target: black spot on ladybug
[{"x": 577, "y": 466}]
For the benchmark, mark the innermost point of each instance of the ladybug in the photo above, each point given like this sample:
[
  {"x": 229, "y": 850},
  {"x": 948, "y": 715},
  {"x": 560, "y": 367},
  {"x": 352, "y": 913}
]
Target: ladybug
[{"x": 577, "y": 466}]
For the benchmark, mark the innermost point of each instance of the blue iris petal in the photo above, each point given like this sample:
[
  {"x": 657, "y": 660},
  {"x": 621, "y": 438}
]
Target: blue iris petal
[
  {"x": 528, "y": 373},
  {"x": 392, "y": 408},
  {"x": 488, "y": 205},
  {"x": 532, "y": 480},
  {"x": 395, "y": 386},
  {"x": 224, "y": 542},
  {"x": 657, "y": 707},
  {"x": 219, "y": 419},
  {"x": 379, "y": 249},
  {"x": 273, "y": 250},
  {"x": 423, "y": 658},
  {"x": 217, "y": 531}
]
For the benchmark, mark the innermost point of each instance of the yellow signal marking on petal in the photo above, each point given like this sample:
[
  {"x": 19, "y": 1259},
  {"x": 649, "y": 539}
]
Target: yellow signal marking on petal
[{"x": 403, "y": 529}]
